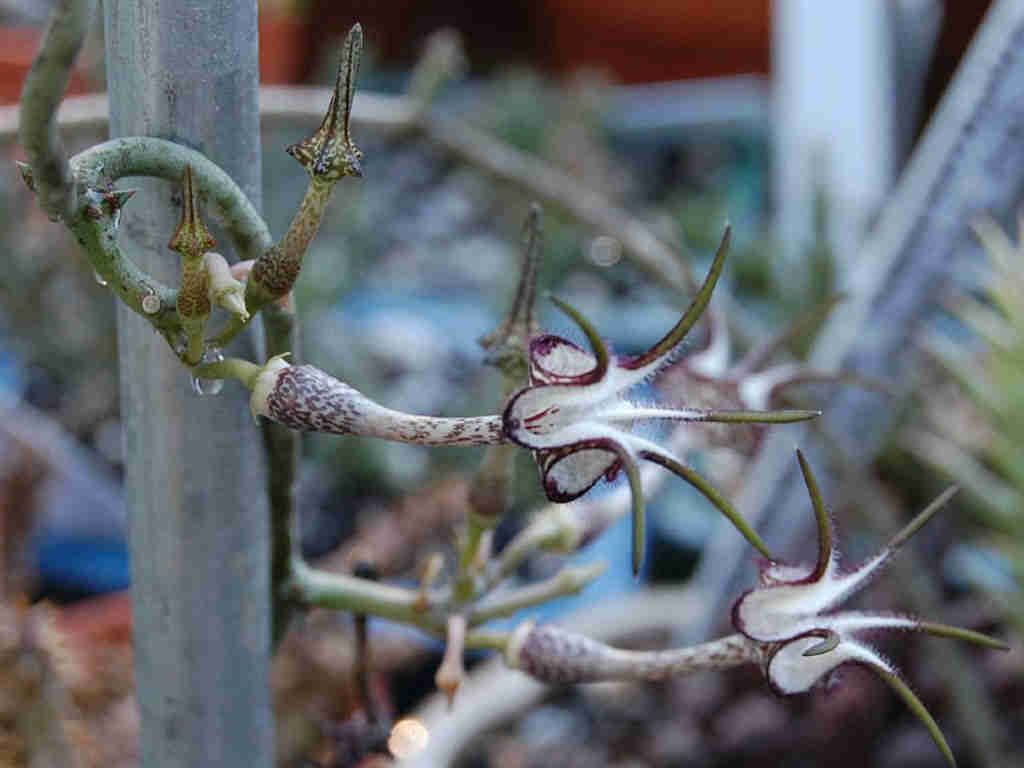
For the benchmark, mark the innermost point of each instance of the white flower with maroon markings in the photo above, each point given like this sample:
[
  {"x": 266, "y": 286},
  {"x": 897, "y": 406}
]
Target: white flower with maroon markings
[
  {"x": 803, "y": 642},
  {"x": 576, "y": 418}
]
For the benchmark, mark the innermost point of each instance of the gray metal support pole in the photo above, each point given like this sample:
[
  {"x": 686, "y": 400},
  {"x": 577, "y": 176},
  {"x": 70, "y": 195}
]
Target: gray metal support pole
[{"x": 187, "y": 71}]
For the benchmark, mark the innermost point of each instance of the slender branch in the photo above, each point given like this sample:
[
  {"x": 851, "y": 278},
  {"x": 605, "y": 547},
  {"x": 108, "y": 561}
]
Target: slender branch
[
  {"x": 315, "y": 588},
  {"x": 543, "y": 532},
  {"x": 482, "y": 639},
  {"x": 44, "y": 87},
  {"x": 554, "y": 655},
  {"x": 363, "y": 662},
  {"x": 568, "y": 581},
  {"x": 229, "y": 368},
  {"x": 281, "y": 447}
]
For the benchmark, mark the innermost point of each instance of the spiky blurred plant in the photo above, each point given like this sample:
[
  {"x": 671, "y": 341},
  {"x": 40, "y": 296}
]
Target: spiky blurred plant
[{"x": 974, "y": 428}]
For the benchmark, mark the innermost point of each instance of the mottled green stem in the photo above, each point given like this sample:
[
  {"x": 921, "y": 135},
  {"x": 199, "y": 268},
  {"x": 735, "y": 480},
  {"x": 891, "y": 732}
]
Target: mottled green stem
[
  {"x": 40, "y": 96},
  {"x": 275, "y": 272},
  {"x": 162, "y": 159},
  {"x": 229, "y": 368}
]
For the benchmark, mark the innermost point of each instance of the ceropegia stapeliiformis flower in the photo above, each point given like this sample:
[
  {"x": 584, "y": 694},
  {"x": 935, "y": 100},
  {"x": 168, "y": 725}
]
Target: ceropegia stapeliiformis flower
[
  {"x": 576, "y": 417},
  {"x": 789, "y": 613}
]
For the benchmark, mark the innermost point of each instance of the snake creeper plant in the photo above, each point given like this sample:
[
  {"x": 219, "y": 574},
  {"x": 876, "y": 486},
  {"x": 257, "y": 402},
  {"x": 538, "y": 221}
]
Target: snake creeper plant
[{"x": 574, "y": 414}]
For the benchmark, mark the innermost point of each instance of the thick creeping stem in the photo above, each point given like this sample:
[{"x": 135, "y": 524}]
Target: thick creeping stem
[
  {"x": 328, "y": 156},
  {"x": 192, "y": 240}
]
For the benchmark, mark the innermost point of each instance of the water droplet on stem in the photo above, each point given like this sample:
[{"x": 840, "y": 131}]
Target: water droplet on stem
[{"x": 208, "y": 387}]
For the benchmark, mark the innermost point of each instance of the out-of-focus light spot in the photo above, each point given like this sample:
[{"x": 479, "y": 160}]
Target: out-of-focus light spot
[
  {"x": 407, "y": 737},
  {"x": 605, "y": 251}
]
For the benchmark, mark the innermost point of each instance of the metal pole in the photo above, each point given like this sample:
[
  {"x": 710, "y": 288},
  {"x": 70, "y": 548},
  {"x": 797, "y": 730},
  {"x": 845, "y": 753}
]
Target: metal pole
[{"x": 187, "y": 71}]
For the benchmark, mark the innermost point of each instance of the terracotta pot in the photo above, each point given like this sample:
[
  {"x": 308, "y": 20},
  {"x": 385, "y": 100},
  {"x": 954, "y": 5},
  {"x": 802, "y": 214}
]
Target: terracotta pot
[
  {"x": 17, "y": 49},
  {"x": 661, "y": 39},
  {"x": 285, "y": 44}
]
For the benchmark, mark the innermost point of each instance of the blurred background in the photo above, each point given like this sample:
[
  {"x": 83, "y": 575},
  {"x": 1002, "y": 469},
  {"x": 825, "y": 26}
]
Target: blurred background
[{"x": 792, "y": 120}]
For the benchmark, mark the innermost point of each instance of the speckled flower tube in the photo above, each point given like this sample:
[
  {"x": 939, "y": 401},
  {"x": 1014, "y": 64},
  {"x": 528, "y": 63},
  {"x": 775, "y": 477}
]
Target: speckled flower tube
[
  {"x": 554, "y": 655},
  {"x": 305, "y": 398}
]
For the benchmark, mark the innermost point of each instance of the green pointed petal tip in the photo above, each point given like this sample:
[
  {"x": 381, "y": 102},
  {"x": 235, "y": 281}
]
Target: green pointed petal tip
[
  {"x": 639, "y": 531},
  {"x": 788, "y": 416},
  {"x": 923, "y": 517},
  {"x": 597, "y": 345},
  {"x": 915, "y": 705},
  {"x": 693, "y": 312},
  {"x": 820, "y": 515},
  {"x": 712, "y": 495},
  {"x": 959, "y": 633}
]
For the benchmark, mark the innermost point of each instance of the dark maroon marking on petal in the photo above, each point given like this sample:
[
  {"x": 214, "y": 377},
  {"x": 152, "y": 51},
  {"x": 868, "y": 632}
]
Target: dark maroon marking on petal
[
  {"x": 540, "y": 415},
  {"x": 737, "y": 622},
  {"x": 511, "y": 424},
  {"x": 541, "y": 347}
]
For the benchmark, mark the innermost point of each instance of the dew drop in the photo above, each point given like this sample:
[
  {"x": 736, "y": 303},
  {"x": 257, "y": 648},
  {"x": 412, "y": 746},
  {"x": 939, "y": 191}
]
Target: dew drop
[
  {"x": 205, "y": 387},
  {"x": 100, "y": 280}
]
